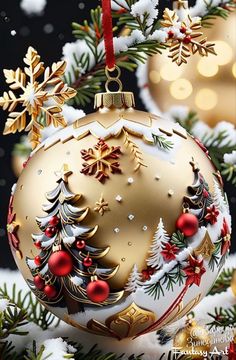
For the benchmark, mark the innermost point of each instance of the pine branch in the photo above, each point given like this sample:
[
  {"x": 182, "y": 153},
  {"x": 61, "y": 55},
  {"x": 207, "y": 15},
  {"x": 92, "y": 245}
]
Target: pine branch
[
  {"x": 223, "y": 10},
  {"x": 179, "y": 240},
  {"x": 223, "y": 317},
  {"x": 222, "y": 283},
  {"x": 162, "y": 142},
  {"x": 11, "y": 320},
  {"x": 36, "y": 312},
  {"x": 7, "y": 351}
]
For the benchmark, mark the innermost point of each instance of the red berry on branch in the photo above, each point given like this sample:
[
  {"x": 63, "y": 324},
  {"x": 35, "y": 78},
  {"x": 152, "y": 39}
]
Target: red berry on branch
[
  {"x": 54, "y": 221},
  {"x": 50, "y": 231},
  {"x": 80, "y": 244},
  {"x": 87, "y": 261},
  {"x": 38, "y": 245},
  {"x": 188, "y": 224},
  {"x": 98, "y": 291},
  {"x": 39, "y": 282},
  {"x": 37, "y": 260},
  {"x": 183, "y": 29},
  {"x": 187, "y": 39},
  {"x": 60, "y": 263},
  {"x": 50, "y": 291},
  {"x": 170, "y": 34}
]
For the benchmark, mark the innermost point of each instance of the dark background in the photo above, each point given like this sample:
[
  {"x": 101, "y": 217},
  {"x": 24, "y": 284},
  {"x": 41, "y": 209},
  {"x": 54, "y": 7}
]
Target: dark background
[{"x": 48, "y": 34}]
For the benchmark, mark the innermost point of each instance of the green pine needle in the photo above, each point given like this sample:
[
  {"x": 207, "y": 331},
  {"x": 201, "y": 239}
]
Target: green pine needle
[{"x": 162, "y": 142}]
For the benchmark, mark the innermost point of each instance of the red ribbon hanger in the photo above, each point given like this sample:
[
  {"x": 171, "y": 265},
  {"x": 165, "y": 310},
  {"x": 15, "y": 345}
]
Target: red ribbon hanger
[{"x": 108, "y": 34}]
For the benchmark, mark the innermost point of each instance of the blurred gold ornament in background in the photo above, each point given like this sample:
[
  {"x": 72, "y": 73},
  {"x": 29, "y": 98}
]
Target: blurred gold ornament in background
[
  {"x": 193, "y": 339},
  {"x": 206, "y": 85},
  {"x": 233, "y": 282}
]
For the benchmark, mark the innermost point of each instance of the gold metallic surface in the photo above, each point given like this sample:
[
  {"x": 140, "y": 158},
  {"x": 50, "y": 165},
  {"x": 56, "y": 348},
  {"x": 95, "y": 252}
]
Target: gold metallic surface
[
  {"x": 146, "y": 198},
  {"x": 126, "y": 323},
  {"x": 114, "y": 99},
  {"x": 192, "y": 337},
  {"x": 205, "y": 248},
  {"x": 233, "y": 282},
  {"x": 221, "y": 81}
]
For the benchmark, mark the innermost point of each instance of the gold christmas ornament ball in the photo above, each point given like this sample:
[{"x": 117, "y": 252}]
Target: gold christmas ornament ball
[
  {"x": 117, "y": 221},
  {"x": 204, "y": 84},
  {"x": 233, "y": 282},
  {"x": 193, "y": 340}
]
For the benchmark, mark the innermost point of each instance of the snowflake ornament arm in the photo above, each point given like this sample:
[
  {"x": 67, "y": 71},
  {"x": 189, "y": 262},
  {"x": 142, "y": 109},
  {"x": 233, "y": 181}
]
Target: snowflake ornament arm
[
  {"x": 182, "y": 37},
  {"x": 35, "y": 97}
]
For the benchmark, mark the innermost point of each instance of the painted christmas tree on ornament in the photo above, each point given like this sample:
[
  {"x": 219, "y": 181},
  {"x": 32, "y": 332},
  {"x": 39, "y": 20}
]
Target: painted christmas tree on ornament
[{"x": 129, "y": 226}]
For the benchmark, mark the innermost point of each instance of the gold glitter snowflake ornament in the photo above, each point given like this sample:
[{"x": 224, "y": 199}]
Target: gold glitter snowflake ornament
[
  {"x": 41, "y": 93},
  {"x": 182, "y": 36}
]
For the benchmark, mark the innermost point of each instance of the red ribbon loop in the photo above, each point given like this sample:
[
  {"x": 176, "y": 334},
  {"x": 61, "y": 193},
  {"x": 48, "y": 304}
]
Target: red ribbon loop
[{"x": 108, "y": 34}]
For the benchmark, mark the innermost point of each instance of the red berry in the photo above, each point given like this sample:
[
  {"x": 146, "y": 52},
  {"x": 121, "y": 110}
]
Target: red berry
[
  {"x": 98, "y": 291},
  {"x": 60, "y": 263},
  {"x": 87, "y": 261},
  {"x": 183, "y": 29},
  {"x": 188, "y": 224},
  {"x": 50, "y": 231},
  {"x": 54, "y": 221},
  {"x": 170, "y": 34},
  {"x": 39, "y": 282},
  {"x": 37, "y": 244},
  {"x": 37, "y": 260},
  {"x": 80, "y": 244},
  {"x": 50, "y": 291},
  {"x": 187, "y": 39}
]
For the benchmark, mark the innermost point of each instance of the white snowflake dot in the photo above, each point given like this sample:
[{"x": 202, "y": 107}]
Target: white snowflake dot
[
  {"x": 118, "y": 198},
  {"x": 130, "y": 180},
  {"x": 13, "y": 32},
  {"x": 170, "y": 192},
  {"x": 144, "y": 228},
  {"x": 117, "y": 230},
  {"x": 131, "y": 217}
]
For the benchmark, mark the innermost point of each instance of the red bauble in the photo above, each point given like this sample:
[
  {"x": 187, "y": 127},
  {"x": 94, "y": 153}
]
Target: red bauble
[
  {"x": 37, "y": 260},
  {"x": 60, "y": 263},
  {"x": 98, "y": 291},
  {"x": 54, "y": 221},
  {"x": 39, "y": 282},
  {"x": 87, "y": 261},
  {"x": 80, "y": 244},
  {"x": 183, "y": 29},
  {"x": 50, "y": 291},
  {"x": 171, "y": 34},
  {"x": 187, "y": 39},
  {"x": 37, "y": 244},
  {"x": 188, "y": 224},
  {"x": 50, "y": 231}
]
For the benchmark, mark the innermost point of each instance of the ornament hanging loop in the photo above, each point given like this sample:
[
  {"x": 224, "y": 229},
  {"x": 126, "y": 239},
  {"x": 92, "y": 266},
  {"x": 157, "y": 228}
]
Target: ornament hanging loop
[{"x": 113, "y": 78}]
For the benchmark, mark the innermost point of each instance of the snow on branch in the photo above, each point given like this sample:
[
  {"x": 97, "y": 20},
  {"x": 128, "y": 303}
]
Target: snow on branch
[{"x": 33, "y": 7}]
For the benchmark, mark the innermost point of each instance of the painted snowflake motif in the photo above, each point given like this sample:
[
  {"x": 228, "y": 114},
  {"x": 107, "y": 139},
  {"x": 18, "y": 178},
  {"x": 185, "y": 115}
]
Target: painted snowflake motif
[{"x": 100, "y": 160}]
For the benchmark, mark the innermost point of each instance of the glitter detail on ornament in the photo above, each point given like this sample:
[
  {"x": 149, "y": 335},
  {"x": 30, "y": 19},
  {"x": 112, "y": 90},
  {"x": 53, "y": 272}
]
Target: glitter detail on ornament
[
  {"x": 131, "y": 217},
  {"x": 130, "y": 180},
  {"x": 118, "y": 198},
  {"x": 39, "y": 172},
  {"x": 130, "y": 243},
  {"x": 157, "y": 177},
  {"x": 123, "y": 259},
  {"x": 116, "y": 230},
  {"x": 170, "y": 192},
  {"x": 144, "y": 228}
]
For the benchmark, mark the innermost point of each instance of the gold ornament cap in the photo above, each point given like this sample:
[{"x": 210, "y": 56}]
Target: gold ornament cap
[
  {"x": 117, "y": 99},
  {"x": 180, "y": 4}
]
